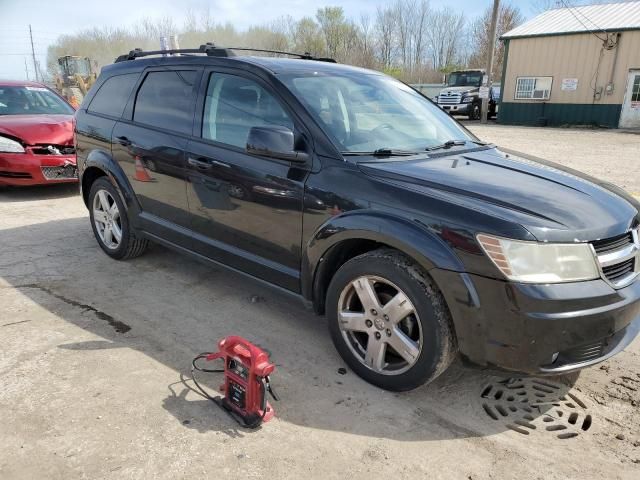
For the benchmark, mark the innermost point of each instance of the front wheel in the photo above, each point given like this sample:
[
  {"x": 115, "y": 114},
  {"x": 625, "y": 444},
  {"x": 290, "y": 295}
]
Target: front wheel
[
  {"x": 389, "y": 322},
  {"x": 475, "y": 113}
]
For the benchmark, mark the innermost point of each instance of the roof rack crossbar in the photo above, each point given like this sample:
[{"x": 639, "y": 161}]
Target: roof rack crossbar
[
  {"x": 214, "y": 51},
  {"x": 304, "y": 56}
]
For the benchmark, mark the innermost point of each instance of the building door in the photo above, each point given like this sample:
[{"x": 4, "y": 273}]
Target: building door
[{"x": 630, "y": 116}]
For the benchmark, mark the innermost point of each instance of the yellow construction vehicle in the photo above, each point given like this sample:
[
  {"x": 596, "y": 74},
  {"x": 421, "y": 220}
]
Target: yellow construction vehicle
[{"x": 75, "y": 78}]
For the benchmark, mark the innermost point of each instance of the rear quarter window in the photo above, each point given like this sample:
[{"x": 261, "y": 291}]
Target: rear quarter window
[{"x": 113, "y": 94}]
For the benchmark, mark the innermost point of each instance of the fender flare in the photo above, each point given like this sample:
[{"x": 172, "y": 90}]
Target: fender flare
[
  {"x": 104, "y": 161},
  {"x": 410, "y": 237}
]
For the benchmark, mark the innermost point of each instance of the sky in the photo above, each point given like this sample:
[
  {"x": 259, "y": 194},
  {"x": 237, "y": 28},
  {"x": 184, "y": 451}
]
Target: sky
[{"x": 51, "y": 18}]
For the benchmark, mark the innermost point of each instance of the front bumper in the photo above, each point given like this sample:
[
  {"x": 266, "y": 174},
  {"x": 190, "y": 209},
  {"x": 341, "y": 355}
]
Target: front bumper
[
  {"x": 539, "y": 329},
  {"x": 461, "y": 108},
  {"x": 32, "y": 169}
]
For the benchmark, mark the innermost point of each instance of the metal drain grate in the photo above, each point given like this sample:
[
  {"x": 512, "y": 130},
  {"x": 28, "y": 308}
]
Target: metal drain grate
[{"x": 526, "y": 405}]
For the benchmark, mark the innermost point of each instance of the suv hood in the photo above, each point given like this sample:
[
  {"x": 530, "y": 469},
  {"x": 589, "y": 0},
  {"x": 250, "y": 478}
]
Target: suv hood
[
  {"x": 466, "y": 89},
  {"x": 34, "y": 129},
  {"x": 552, "y": 202}
]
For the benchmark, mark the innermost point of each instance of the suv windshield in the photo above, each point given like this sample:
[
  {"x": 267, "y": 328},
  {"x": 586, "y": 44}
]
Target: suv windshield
[
  {"x": 465, "y": 79},
  {"x": 365, "y": 113},
  {"x": 19, "y": 100}
]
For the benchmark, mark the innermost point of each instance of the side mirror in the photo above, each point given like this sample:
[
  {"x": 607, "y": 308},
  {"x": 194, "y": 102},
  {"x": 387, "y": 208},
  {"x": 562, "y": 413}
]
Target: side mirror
[{"x": 274, "y": 142}]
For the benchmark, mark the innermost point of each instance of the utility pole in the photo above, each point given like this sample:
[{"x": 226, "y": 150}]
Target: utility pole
[
  {"x": 26, "y": 70},
  {"x": 490, "y": 54},
  {"x": 33, "y": 54}
]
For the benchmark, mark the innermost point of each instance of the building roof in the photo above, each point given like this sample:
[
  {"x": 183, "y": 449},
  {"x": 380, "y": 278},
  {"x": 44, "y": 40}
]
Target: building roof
[{"x": 596, "y": 18}]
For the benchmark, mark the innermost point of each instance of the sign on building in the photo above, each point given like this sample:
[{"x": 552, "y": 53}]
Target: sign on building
[{"x": 569, "y": 84}]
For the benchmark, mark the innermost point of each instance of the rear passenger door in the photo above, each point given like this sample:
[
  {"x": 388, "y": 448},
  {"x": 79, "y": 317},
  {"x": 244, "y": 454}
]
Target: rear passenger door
[
  {"x": 149, "y": 144},
  {"x": 246, "y": 209}
]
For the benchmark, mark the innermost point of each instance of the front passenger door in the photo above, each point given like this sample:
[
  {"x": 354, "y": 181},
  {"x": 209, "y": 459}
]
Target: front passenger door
[{"x": 246, "y": 210}]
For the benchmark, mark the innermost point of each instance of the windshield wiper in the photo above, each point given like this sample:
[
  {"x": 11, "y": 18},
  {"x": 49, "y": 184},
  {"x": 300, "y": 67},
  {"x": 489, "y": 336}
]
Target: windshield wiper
[
  {"x": 454, "y": 143},
  {"x": 383, "y": 152}
]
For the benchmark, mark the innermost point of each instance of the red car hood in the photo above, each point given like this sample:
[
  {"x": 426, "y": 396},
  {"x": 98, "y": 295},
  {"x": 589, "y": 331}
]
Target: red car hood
[{"x": 34, "y": 129}]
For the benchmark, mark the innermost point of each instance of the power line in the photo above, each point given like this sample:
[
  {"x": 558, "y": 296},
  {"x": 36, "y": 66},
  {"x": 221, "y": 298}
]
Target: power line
[
  {"x": 570, "y": 10},
  {"x": 584, "y": 15},
  {"x": 21, "y": 54}
]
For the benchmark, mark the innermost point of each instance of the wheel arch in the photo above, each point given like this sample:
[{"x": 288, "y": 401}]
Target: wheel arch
[
  {"x": 100, "y": 164},
  {"x": 346, "y": 236}
]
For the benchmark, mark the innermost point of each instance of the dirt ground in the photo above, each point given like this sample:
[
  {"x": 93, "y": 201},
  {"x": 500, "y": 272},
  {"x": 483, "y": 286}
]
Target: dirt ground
[{"x": 93, "y": 351}]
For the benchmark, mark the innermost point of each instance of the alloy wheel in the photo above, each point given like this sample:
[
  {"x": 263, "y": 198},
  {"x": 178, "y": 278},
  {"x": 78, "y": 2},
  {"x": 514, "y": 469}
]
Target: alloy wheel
[
  {"x": 380, "y": 325},
  {"x": 106, "y": 217}
]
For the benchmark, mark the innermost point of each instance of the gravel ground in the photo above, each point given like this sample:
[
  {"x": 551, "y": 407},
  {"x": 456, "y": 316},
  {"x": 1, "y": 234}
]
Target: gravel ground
[{"x": 93, "y": 353}]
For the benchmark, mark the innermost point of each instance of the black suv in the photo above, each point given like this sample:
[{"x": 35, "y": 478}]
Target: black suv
[{"x": 359, "y": 195}]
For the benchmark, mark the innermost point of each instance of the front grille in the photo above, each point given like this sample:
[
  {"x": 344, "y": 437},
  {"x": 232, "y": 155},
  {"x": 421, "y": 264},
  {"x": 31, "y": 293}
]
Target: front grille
[
  {"x": 616, "y": 272},
  {"x": 584, "y": 353},
  {"x": 619, "y": 258},
  {"x": 60, "y": 173},
  {"x": 14, "y": 174},
  {"x": 614, "y": 243},
  {"x": 449, "y": 98},
  {"x": 53, "y": 149}
]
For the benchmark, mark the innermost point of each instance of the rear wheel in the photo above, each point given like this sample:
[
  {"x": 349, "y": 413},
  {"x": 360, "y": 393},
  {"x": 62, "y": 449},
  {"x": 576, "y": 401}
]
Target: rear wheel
[
  {"x": 110, "y": 222},
  {"x": 389, "y": 321}
]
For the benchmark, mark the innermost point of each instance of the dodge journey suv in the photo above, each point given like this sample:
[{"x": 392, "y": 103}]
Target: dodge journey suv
[{"x": 359, "y": 195}]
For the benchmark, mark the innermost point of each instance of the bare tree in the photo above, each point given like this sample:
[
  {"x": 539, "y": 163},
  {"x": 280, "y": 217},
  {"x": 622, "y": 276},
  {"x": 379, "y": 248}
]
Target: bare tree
[
  {"x": 331, "y": 20},
  {"x": 407, "y": 39},
  {"x": 419, "y": 30},
  {"x": 366, "y": 42},
  {"x": 403, "y": 11},
  {"x": 384, "y": 28},
  {"x": 509, "y": 17},
  {"x": 307, "y": 37},
  {"x": 444, "y": 31}
]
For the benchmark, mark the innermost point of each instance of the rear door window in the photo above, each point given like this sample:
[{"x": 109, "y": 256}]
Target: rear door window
[
  {"x": 112, "y": 96},
  {"x": 166, "y": 100}
]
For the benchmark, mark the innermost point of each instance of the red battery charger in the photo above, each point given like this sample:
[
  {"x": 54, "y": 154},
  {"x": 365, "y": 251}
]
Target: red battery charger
[{"x": 246, "y": 380}]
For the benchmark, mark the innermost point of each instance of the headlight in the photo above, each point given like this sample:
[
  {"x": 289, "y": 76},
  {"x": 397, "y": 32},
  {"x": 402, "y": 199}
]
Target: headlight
[
  {"x": 10, "y": 146},
  {"x": 534, "y": 262},
  {"x": 467, "y": 99}
]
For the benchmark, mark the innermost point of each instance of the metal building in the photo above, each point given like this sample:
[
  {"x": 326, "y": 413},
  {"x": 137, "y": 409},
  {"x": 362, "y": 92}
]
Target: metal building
[{"x": 574, "y": 66}]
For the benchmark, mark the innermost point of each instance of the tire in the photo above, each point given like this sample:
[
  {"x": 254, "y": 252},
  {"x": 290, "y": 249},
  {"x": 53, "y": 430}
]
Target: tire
[
  {"x": 476, "y": 112},
  {"x": 427, "y": 331},
  {"x": 127, "y": 245}
]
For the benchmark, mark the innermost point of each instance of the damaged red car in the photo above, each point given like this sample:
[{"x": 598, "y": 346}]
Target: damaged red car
[{"x": 36, "y": 136}]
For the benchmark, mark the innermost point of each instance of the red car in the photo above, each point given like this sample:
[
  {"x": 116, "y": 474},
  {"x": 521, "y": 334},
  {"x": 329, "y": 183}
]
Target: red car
[{"x": 36, "y": 135}]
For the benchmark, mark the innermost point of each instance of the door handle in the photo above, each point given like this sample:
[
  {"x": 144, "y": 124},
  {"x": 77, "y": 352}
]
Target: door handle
[
  {"x": 200, "y": 164},
  {"x": 220, "y": 164},
  {"x": 124, "y": 141}
]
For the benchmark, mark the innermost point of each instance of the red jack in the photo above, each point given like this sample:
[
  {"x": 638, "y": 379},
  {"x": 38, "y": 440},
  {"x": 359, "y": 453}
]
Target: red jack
[{"x": 246, "y": 381}]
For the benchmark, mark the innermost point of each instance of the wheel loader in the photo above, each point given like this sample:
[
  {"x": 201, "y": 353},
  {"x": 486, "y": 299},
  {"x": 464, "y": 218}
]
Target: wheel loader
[{"x": 75, "y": 78}]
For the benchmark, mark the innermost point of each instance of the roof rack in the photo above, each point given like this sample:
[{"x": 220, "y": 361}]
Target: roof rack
[{"x": 212, "y": 50}]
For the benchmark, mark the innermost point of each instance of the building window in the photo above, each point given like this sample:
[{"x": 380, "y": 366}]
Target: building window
[
  {"x": 533, "y": 88},
  {"x": 635, "y": 91}
]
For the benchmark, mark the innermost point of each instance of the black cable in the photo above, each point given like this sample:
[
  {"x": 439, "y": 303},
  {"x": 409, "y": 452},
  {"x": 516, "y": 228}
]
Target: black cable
[
  {"x": 194, "y": 367},
  {"x": 570, "y": 7}
]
